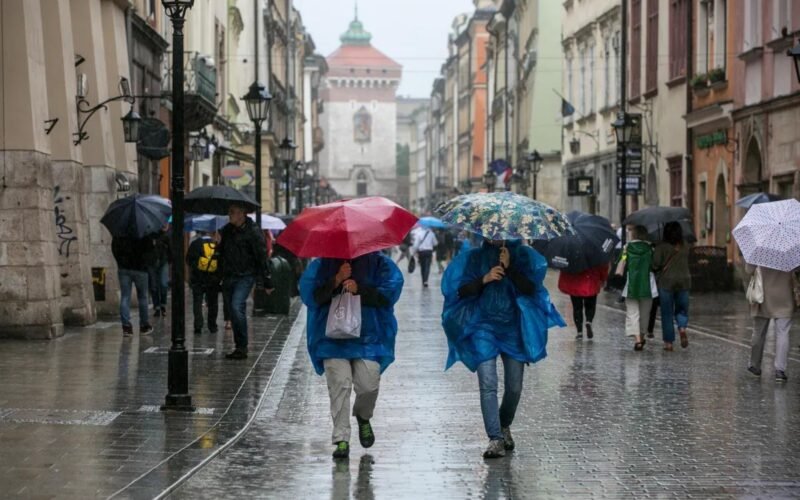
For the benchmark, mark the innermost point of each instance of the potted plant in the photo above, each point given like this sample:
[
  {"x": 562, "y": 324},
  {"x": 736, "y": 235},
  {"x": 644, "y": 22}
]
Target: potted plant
[
  {"x": 699, "y": 81},
  {"x": 716, "y": 75}
]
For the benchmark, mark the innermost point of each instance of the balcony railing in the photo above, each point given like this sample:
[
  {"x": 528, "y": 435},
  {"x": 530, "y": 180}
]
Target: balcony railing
[{"x": 200, "y": 75}]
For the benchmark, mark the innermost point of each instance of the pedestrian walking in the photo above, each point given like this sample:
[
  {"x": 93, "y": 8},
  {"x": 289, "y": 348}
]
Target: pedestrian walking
[
  {"x": 777, "y": 305},
  {"x": 496, "y": 306},
  {"x": 205, "y": 279},
  {"x": 671, "y": 266},
  {"x": 582, "y": 289},
  {"x": 640, "y": 287},
  {"x": 158, "y": 271},
  {"x": 424, "y": 243},
  {"x": 244, "y": 265},
  {"x": 442, "y": 249},
  {"x": 353, "y": 364},
  {"x": 133, "y": 257},
  {"x": 405, "y": 248}
]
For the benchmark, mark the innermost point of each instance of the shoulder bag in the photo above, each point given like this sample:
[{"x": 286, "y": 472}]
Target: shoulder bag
[{"x": 755, "y": 290}]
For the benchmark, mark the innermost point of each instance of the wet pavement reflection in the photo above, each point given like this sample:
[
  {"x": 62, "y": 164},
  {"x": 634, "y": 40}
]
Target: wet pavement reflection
[{"x": 596, "y": 420}]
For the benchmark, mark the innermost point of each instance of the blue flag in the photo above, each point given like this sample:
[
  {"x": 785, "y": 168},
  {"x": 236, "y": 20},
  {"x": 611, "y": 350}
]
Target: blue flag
[{"x": 566, "y": 108}]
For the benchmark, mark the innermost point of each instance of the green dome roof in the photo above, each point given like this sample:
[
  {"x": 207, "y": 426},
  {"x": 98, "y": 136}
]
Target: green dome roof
[{"x": 356, "y": 34}]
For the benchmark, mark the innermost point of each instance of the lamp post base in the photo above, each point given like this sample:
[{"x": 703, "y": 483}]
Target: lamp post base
[
  {"x": 178, "y": 397},
  {"x": 178, "y": 402}
]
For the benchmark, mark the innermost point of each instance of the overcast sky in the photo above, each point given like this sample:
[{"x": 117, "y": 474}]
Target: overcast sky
[{"x": 412, "y": 32}]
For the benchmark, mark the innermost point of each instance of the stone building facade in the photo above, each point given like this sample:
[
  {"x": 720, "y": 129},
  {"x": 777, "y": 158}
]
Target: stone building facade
[{"x": 359, "y": 120}]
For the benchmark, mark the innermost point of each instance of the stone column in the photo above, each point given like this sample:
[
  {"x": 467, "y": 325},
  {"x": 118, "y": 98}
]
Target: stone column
[
  {"x": 29, "y": 273},
  {"x": 69, "y": 198},
  {"x": 99, "y": 154}
]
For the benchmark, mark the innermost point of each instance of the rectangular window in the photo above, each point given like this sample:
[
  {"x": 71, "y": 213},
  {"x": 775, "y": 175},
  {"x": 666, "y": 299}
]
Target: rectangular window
[
  {"x": 582, "y": 84},
  {"x": 702, "y": 48},
  {"x": 606, "y": 72},
  {"x": 591, "y": 87},
  {"x": 781, "y": 18},
  {"x": 752, "y": 29},
  {"x": 652, "y": 46},
  {"x": 677, "y": 38},
  {"x": 617, "y": 68},
  {"x": 720, "y": 31},
  {"x": 675, "y": 165},
  {"x": 636, "y": 48}
]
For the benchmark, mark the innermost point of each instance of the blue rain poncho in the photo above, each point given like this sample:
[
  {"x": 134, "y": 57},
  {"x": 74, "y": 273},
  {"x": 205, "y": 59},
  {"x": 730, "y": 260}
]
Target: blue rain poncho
[
  {"x": 378, "y": 324},
  {"x": 500, "y": 319}
]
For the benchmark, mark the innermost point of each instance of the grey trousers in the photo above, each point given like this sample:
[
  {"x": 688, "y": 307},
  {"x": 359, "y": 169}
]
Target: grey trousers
[
  {"x": 637, "y": 315},
  {"x": 344, "y": 375},
  {"x": 760, "y": 330}
]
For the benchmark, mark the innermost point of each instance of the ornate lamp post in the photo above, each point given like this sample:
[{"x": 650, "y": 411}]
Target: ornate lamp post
[
  {"x": 257, "y": 101},
  {"x": 287, "y": 149},
  {"x": 300, "y": 179},
  {"x": 534, "y": 161},
  {"x": 178, "y": 397}
]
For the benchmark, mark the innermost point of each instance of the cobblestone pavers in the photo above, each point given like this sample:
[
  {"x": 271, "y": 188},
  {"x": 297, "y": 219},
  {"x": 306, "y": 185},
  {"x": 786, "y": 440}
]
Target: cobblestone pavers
[{"x": 597, "y": 420}]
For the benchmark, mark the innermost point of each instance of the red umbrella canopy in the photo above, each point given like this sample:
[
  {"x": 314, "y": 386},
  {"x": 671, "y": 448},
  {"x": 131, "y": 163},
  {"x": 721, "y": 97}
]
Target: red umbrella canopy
[{"x": 347, "y": 229}]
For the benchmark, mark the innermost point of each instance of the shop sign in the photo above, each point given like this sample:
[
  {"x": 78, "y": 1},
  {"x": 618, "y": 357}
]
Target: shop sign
[{"x": 707, "y": 141}]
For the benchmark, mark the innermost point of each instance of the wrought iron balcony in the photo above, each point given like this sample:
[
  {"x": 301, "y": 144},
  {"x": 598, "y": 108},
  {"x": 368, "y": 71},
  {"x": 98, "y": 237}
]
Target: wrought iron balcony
[{"x": 200, "y": 88}]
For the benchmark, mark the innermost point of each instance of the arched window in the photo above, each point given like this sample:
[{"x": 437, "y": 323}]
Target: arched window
[
  {"x": 361, "y": 184},
  {"x": 651, "y": 189}
]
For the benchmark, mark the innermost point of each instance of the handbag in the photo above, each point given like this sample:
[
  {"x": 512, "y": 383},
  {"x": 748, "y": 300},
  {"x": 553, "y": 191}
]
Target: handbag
[
  {"x": 412, "y": 264},
  {"x": 755, "y": 290},
  {"x": 344, "y": 317}
]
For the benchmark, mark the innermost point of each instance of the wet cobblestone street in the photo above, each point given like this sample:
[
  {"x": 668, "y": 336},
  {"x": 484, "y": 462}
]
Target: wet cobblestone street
[{"x": 596, "y": 420}]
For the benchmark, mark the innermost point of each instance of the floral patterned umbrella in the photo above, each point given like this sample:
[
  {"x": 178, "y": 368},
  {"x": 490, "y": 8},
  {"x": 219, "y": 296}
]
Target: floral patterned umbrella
[
  {"x": 504, "y": 216},
  {"x": 769, "y": 235}
]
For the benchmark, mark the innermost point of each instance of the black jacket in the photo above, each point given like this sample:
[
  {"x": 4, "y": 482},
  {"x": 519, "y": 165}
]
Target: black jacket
[
  {"x": 244, "y": 253},
  {"x": 162, "y": 243},
  {"x": 133, "y": 254},
  {"x": 196, "y": 276}
]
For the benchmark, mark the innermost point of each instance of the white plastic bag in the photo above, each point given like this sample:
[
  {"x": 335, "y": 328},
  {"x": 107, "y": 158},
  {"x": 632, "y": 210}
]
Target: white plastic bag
[
  {"x": 344, "y": 317},
  {"x": 755, "y": 290}
]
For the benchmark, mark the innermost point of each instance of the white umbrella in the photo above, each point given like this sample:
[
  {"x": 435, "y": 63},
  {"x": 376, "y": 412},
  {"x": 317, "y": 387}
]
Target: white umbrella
[
  {"x": 270, "y": 222},
  {"x": 769, "y": 235}
]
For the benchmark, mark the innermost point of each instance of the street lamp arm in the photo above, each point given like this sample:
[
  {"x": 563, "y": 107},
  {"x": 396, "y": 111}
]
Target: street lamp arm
[
  {"x": 592, "y": 136},
  {"x": 84, "y": 108}
]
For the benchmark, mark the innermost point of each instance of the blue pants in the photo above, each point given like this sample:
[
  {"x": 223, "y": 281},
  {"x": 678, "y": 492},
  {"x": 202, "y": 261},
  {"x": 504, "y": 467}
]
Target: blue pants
[
  {"x": 237, "y": 290},
  {"x": 159, "y": 284},
  {"x": 674, "y": 307},
  {"x": 127, "y": 279},
  {"x": 493, "y": 419}
]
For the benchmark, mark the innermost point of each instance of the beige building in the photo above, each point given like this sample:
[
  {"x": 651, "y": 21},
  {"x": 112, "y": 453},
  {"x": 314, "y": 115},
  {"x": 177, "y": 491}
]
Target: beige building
[{"x": 591, "y": 82}]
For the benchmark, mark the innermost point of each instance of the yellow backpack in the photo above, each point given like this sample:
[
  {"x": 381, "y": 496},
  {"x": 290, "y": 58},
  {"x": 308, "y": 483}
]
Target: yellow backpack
[{"x": 208, "y": 261}]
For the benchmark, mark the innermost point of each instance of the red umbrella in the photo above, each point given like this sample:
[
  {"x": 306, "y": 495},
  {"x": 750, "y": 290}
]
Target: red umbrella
[{"x": 347, "y": 229}]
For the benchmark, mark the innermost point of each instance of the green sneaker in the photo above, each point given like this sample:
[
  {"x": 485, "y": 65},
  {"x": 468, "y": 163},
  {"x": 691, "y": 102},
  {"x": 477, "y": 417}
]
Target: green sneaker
[
  {"x": 342, "y": 450},
  {"x": 365, "y": 434}
]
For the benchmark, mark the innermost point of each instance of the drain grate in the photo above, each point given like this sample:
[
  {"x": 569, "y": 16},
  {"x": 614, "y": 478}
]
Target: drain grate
[
  {"x": 60, "y": 417},
  {"x": 195, "y": 351}
]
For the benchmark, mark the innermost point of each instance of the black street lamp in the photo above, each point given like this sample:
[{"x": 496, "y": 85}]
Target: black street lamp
[
  {"x": 535, "y": 162},
  {"x": 794, "y": 53},
  {"x": 287, "y": 149},
  {"x": 178, "y": 397},
  {"x": 623, "y": 129},
  {"x": 300, "y": 179},
  {"x": 490, "y": 181},
  {"x": 130, "y": 126},
  {"x": 257, "y": 100}
]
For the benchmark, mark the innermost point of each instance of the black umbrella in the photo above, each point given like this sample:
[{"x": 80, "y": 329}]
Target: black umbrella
[
  {"x": 591, "y": 246},
  {"x": 216, "y": 200},
  {"x": 137, "y": 215},
  {"x": 756, "y": 198},
  {"x": 655, "y": 218}
]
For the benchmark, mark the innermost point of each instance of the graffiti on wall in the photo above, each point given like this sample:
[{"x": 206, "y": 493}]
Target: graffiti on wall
[{"x": 64, "y": 232}]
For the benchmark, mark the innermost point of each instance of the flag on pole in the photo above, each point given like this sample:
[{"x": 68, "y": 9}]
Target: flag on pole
[{"x": 566, "y": 108}]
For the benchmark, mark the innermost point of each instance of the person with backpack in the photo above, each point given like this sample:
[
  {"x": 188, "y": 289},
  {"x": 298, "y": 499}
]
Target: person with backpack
[{"x": 205, "y": 279}]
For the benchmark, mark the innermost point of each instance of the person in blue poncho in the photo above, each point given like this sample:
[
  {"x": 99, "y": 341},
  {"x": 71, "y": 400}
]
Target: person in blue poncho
[
  {"x": 354, "y": 363},
  {"x": 496, "y": 305}
]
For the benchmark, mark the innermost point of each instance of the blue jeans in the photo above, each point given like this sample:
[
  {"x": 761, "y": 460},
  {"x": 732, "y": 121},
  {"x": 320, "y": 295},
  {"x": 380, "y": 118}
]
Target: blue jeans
[
  {"x": 674, "y": 307},
  {"x": 237, "y": 290},
  {"x": 127, "y": 279},
  {"x": 159, "y": 284},
  {"x": 493, "y": 419}
]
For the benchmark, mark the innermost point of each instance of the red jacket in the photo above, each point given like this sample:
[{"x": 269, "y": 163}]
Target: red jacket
[{"x": 585, "y": 284}]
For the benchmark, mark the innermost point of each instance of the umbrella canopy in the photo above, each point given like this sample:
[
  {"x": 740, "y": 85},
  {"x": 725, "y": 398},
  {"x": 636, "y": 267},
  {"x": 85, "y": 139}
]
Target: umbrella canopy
[
  {"x": 504, "y": 216},
  {"x": 269, "y": 222},
  {"x": 592, "y": 244},
  {"x": 206, "y": 223},
  {"x": 216, "y": 200},
  {"x": 655, "y": 218},
  {"x": 432, "y": 222},
  {"x": 757, "y": 198},
  {"x": 137, "y": 215},
  {"x": 347, "y": 229},
  {"x": 769, "y": 235}
]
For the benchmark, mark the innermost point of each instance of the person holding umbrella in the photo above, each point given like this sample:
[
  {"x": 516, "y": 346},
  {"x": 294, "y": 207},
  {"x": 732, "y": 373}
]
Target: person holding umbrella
[
  {"x": 348, "y": 239},
  {"x": 640, "y": 286},
  {"x": 495, "y": 301},
  {"x": 769, "y": 238},
  {"x": 583, "y": 289},
  {"x": 671, "y": 266}
]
